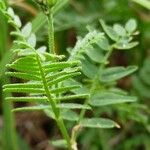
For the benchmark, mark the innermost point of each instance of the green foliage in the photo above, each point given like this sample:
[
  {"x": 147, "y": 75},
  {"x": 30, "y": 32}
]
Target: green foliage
[{"x": 80, "y": 88}]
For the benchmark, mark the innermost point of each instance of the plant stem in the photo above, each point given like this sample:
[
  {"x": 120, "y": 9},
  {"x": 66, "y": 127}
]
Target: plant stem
[
  {"x": 64, "y": 132},
  {"x": 58, "y": 119},
  {"x": 51, "y": 41}
]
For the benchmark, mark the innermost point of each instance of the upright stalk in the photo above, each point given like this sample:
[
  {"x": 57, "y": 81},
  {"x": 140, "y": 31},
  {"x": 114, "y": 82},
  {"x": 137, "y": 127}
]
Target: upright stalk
[
  {"x": 58, "y": 118},
  {"x": 51, "y": 44},
  {"x": 51, "y": 41}
]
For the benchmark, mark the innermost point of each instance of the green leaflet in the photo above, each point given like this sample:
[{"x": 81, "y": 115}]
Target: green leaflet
[
  {"x": 88, "y": 68},
  {"x": 61, "y": 106},
  {"x": 98, "y": 123},
  {"x": 69, "y": 115},
  {"x": 109, "y": 98},
  {"x": 66, "y": 114},
  {"x": 119, "y": 29},
  {"x": 35, "y": 88},
  {"x": 125, "y": 46},
  {"x": 25, "y": 76},
  {"x": 115, "y": 73},
  {"x": 109, "y": 31},
  {"x": 131, "y": 25},
  {"x": 62, "y": 78},
  {"x": 95, "y": 54},
  {"x": 45, "y": 99}
]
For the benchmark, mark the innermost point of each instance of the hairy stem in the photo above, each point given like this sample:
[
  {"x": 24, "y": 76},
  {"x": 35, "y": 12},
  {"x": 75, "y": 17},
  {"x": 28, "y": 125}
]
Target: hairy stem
[
  {"x": 59, "y": 120},
  {"x": 51, "y": 41},
  {"x": 64, "y": 132}
]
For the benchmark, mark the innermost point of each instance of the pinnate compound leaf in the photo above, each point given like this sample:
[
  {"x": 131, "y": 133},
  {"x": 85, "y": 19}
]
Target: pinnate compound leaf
[{"x": 98, "y": 123}]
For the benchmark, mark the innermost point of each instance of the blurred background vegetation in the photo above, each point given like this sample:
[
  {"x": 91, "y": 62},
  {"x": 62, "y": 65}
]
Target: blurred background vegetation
[{"x": 34, "y": 130}]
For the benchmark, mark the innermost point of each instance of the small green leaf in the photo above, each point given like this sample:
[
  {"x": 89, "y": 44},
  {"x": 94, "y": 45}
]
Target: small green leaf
[
  {"x": 63, "y": 77},
  {"x": 25, "y": 76},
  {"x": 109, "y": 98},
  {"x": 17, "y": 21},
  {"x": 131, "y": 25},
  {"x": 61, "y": 65},
  {"x": 72, "y": 97},
  {"x": 32, "y": 40},
  {"x": 24, "y": 85},
  {"x": 25, "y": 52},
  {"x": 119, "y": 30},
  {"x": 25, "y": 90},
  {"x": 98, "y": 123},
  {"x": 104, "y": 44},
  {"x": 26, "y": 30},
  {"x": 88, "y": 68},
  {"x": 95, "y": 54},
  {"x": 73, "y": 106},
  {"x": 24, "y": 68},
  {"x": 42, "y": 49},
  {"x": 61, "y": 106},
  {"x": 69, "y": 115},
  {"x": 115, "y": 73},
  {"x": 10, "y": 11},
  {"x": 28, "y": 99},
  {"x": 125, "y": 46},
  {"x": 109, "y": 31}
]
